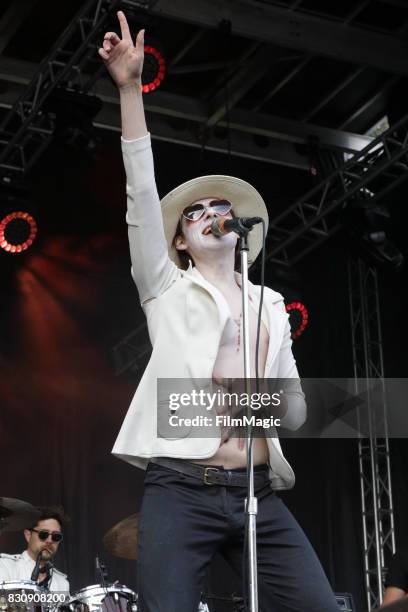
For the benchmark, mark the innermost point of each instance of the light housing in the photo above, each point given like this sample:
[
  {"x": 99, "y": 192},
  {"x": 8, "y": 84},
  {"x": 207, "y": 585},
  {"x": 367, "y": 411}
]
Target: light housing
[
  {"x": 154, "y": 69},
  {"x": 300, "y": 320},
  {"x": 18, "y": 230}
]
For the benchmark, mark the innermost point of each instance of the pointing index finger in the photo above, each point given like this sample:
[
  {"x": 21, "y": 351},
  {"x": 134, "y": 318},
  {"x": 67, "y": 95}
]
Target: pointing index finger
[{"x": 124, "y": 27}]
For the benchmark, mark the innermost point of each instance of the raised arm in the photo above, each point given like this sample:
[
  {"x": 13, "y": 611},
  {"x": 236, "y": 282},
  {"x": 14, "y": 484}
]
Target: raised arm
[
  {"x": 152, "y": 269},
  {"x": 124, "y": 62}
]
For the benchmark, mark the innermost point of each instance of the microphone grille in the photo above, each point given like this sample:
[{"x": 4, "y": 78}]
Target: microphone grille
[{"x": 217, "y": 226}]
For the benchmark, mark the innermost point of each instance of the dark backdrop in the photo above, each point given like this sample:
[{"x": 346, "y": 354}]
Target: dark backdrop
[{"x": 70, "y": 299}]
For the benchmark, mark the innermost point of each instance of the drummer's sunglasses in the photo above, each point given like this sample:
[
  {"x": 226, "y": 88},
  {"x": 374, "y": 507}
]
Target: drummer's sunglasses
[
  {"x": 43, "y": 534},
  {"x": 194, "y": 212}
]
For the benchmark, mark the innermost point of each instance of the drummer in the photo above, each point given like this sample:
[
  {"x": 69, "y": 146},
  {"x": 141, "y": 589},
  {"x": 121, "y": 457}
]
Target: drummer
[{"x": 45, "y": 537}]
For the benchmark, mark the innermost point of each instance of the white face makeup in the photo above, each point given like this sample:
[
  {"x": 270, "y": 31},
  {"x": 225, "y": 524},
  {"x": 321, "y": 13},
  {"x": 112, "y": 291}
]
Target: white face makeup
[{"x": 198, "y": 240}]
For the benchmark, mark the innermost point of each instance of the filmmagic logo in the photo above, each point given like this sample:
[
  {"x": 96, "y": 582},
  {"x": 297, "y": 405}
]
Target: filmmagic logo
[{"x": 223, "y": 420}]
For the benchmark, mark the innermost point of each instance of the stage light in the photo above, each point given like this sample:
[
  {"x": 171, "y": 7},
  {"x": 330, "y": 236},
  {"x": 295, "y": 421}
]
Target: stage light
[
  {"x": 18, "y": 230},
  {"x": 74, "y": 114},
  {"x": 299, "y": 318},
  {"x": 367, "y": 223},
  {"x": 154, "y": 69}
]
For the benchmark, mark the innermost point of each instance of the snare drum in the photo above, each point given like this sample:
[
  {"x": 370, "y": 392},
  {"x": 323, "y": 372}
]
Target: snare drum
[
  {"x": 20, "y": 596},
  {"x": 112, "y": 598},
  {"x": 96, "y": 598}
]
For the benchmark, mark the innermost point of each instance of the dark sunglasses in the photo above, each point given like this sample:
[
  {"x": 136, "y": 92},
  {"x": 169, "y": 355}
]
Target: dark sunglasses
[
  {"x": 43, "y": 534},
  {"x": 194, "y": 212}
]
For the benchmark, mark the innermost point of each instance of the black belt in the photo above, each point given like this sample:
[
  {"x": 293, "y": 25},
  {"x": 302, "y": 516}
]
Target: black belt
[{"x": 212, "y": 475}]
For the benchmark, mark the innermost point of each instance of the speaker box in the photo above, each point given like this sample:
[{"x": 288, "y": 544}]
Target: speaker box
[{"x": 345, "y": 602}]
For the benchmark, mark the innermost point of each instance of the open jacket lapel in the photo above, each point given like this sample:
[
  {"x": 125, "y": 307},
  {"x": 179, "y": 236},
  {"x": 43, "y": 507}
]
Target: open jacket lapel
[{"x": 273, "y": 317}]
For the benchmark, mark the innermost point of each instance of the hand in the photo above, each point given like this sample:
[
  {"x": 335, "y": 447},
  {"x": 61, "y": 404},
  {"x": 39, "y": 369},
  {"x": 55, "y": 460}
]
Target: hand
[
  {"x": 122, "y": 58},
  {"x": 233, "y": 410}
]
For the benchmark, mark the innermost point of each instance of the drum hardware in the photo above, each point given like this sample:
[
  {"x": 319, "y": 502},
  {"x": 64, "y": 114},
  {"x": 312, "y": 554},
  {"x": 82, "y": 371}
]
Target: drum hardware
[
  {"x": 133, "y": 603},
  {"x": 101, "y": 573},
  {"x": 102, "y": 598},
  {"x": 108, "y": 598}
]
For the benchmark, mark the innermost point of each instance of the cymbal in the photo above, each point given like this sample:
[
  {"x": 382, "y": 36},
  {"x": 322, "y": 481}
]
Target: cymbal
[
  {"x": 16, "y": 514},
  {"x": 121, "y": 539}
]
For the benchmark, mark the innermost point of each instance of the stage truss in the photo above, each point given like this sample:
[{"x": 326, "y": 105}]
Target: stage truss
[
  {"x": 313, "y": 218},
  {"x": 27, "y": 129},
  {"x": 374, "y": 452}
]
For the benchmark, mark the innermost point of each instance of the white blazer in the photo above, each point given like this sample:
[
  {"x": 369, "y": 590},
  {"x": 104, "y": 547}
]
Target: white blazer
[
  {"x": 20, "y": 567},
  {"x": 186, "y": 317}
]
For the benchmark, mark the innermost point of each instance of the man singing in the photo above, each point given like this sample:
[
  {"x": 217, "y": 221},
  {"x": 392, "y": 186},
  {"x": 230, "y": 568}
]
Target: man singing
[
  {"x": 44, "y": 537},
  {"x": 195, "y": 488}
]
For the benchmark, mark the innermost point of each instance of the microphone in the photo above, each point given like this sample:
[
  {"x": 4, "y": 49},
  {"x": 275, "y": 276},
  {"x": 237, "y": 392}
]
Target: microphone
[
  {"x": 239, "y": 225},
  {"x": 37, "y": 569},
  {"x": 48, "y": 569}
]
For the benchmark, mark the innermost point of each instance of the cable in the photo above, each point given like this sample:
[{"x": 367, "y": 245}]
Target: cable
[
  {"x": 258, "y": 333},
  {"x": 258, "y": 329}
]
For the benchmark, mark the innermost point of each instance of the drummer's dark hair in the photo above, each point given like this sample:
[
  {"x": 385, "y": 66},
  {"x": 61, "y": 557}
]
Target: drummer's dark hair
[{"x": 53, "y": 512}]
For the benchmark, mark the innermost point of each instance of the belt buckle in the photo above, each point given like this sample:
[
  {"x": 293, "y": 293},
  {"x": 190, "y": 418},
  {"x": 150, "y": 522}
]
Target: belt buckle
[{"x": 206, "y": 475}]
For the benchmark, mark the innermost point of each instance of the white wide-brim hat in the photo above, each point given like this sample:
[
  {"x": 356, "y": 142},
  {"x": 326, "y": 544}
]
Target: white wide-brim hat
[{"x": 245, "y": 200}]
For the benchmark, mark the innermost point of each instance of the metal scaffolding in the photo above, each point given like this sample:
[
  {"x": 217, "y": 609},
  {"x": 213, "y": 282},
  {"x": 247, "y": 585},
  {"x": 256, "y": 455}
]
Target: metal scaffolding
[
  {"x": 313, "y": 218},
  {"x": 132, "y": 351},
  {"x": 72, "y": 63},
  {"x": 374, "y": 454}
]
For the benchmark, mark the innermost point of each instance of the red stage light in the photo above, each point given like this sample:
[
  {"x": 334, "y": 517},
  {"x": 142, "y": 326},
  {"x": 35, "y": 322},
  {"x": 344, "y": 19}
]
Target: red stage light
[
  {"x": 302, "y": 310},
  {"x": 23, "y": 218},
  {"x": 154, "y": 69}
]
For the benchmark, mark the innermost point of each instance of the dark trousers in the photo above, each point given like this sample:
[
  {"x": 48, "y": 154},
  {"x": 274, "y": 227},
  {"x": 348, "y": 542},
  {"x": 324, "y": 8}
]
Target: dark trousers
[{"x": 185, "y": 522}]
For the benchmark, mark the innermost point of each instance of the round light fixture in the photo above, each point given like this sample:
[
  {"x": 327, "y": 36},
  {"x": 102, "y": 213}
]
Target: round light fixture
[{"x": 17, "y": 231}]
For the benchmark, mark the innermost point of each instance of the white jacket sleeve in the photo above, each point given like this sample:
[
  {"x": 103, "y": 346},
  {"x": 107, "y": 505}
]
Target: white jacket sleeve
[
  {"x": 5, "y": 573},
  {"x": 152, "y": 269}
]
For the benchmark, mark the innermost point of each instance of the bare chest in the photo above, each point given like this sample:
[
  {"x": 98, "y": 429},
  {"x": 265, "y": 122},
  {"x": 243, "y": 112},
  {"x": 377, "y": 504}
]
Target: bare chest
[{"x": 230, "y": 358}]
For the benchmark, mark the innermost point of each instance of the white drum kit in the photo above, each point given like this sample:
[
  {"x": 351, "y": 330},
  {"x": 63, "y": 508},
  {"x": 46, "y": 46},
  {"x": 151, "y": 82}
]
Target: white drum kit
[
  {"x": 28, "y": 596},
  {"x": 19, "y": 596},
  {"x": 98, "y": 598}
]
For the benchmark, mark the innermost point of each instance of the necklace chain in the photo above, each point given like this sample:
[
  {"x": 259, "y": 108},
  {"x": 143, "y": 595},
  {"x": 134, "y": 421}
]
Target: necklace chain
[{"x": 238, "y": 324}]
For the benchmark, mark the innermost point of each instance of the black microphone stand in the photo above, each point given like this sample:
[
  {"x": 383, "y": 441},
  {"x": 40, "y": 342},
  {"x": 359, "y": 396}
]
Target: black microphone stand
[{"x": 37, "y": 569}]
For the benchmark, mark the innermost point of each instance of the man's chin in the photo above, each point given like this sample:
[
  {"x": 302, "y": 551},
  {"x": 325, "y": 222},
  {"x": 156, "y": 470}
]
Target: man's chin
[
  {"x": 46, "y": 554},
  {"x": 220, "y": 244}
]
